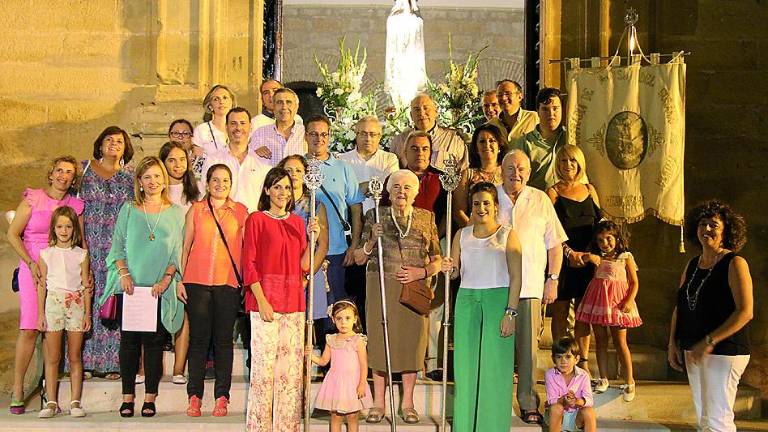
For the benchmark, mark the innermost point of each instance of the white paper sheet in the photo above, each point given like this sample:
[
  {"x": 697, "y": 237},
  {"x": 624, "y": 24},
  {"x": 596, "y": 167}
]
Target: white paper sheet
[{"x": 140, "y": 310}]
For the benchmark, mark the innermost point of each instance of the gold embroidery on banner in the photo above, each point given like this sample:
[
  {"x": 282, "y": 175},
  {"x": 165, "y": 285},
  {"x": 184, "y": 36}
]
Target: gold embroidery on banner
[
  {"x": 667, "y": 172},
  {"x": 627, "y": 203},
  {"x": 597, "y": 139},
  {"x": 669, "y": 108},
  {"x": 656, "y": 140},
  {"x": 647, "y": 78}
]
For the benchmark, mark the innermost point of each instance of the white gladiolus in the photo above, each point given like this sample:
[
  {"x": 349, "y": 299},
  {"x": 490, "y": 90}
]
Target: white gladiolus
[
  {"x": 338, "y": 91},
  {"x": 319, "y": 92},
  {"x": 350, "y": 135}
]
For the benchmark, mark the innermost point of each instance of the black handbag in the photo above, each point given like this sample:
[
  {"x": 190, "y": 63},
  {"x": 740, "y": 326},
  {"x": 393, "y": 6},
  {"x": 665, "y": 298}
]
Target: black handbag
[
  {"x": 15, "y": 280},
  {"x": 238, "y": 277}
]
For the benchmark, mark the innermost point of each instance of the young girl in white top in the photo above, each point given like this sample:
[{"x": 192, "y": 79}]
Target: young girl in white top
[{"x": 64, "y": 304}]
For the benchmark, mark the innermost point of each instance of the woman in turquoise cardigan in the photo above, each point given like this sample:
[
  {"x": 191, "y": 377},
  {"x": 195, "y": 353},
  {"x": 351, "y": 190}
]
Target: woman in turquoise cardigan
[{"x": 146, "y": 251}]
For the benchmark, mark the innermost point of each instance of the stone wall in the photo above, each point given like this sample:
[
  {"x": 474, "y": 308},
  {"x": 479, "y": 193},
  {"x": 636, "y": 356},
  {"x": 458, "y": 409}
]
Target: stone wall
[
  {"x": 726, "y": 127},
  {"x": 311, "y": 29}
]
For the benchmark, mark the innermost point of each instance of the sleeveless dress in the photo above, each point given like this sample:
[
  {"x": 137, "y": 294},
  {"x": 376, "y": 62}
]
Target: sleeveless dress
[
  {"x": 338, "y": 392},
  {"x": 35, "y": 239},
  {"x": 103, "y": 200},
  {"x": 578, "y": 219},
  {"x": 606, "y": 290}
]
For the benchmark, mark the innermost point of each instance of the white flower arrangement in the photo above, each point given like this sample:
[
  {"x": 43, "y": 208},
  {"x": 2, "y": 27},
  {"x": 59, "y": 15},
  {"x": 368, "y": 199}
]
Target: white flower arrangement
[
  {"x": 343, "y": 101},
  {"x": 457, "y": 96}
]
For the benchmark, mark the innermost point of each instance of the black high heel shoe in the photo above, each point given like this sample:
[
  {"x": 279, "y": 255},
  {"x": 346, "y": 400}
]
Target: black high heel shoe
[
  {"x": 126, "y": 409},
  {"x": 148, "y": 409}
]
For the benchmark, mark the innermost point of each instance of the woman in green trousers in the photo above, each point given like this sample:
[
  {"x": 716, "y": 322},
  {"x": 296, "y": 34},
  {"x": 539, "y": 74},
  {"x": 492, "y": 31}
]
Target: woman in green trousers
[{"x": 488, "y": 258}]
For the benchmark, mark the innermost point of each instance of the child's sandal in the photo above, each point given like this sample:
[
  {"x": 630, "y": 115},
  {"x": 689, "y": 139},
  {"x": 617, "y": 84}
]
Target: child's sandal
[
  {"x": 126, "y": 409},
  {"x": 17, "y": 407},
  {"x": 76, "y": 409}
]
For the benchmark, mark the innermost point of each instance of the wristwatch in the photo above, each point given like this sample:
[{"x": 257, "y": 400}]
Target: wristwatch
[
  {"x": 709, "y": 341},
  {"x": 510, "y": 311},
  {"x": 553, "y": 276}
]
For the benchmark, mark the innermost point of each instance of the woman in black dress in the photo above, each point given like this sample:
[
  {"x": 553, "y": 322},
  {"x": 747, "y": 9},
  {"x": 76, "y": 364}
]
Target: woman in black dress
[{"x": 578, "y": 209}]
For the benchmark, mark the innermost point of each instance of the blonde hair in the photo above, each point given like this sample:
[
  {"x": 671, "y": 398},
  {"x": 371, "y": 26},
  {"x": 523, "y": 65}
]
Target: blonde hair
[
  {"x": 143, "y": 166},
  {"x": 75, "y": 179},
  {"x": 574, "y": 152},
  {"x": 209, "y": 97}
]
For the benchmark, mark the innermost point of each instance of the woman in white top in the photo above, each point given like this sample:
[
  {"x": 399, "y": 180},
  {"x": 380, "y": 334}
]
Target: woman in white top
[
  {"x": 488, "y": 257},
  {"x": 212, "y": 135}
]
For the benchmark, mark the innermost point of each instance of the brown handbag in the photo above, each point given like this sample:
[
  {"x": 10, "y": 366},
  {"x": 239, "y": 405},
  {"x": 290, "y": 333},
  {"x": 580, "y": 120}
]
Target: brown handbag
[{"x": 416, "y": 295}]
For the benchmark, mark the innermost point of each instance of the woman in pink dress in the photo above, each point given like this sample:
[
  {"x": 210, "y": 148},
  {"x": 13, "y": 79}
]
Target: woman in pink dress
[{"x": 28, "y": 235}]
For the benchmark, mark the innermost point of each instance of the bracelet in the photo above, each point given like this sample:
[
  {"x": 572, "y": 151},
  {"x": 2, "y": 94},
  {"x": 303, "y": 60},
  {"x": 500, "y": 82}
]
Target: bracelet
[
  {"x": 170, "y": 275},
  {"x": 367, "y": 252},
  {"x": 426, "y": 274},
  {"x": 124, "y": 275},
  {"x": 510, "y": 312}
]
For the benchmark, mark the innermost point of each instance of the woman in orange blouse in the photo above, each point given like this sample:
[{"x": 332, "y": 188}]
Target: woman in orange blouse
[{"x": 209, "y": 286}]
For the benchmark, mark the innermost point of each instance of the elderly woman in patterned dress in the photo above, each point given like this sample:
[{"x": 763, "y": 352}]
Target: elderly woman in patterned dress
[{"x": 411, "y": 252}]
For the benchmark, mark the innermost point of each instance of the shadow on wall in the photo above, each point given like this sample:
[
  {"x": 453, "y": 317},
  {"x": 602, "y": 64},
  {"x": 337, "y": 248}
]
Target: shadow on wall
[{"x": 309, "y": 103}]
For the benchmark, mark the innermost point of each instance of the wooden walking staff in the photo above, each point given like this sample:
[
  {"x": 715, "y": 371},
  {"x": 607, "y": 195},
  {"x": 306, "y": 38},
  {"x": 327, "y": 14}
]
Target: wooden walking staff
[
  {"x": 450, "y": 180},
  {"x": 313, "y": 179},
  {"x": 375, "y": 187}
]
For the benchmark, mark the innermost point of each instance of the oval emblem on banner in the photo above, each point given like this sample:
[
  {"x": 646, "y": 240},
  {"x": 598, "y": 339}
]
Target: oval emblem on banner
[{"x": 626, "y": 140}]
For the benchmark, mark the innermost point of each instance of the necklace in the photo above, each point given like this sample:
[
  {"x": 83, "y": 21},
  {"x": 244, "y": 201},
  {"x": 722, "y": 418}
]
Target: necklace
[
  {"x": 277, "y": 217},
  {"x": 693, "y": 299},
  {"x": 146, "y": 218},
  {"x": 399, "y": 230}
]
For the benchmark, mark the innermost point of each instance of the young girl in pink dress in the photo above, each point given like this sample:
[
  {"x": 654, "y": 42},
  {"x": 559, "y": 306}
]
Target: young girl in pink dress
[
  {"x": 609, "y": 302},
  {"x": 345, "y": 390}
]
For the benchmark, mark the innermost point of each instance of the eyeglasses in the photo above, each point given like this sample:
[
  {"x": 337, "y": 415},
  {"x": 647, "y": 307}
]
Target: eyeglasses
[
  {"x": 317, "y": 135},
  {"x": 368, "y": 134},
  {"x": 181, "y": 134},
  {"x": 507, "y": 94}
]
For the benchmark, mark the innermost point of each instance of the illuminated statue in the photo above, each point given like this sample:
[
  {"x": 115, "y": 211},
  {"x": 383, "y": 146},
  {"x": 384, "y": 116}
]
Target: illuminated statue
[{"x": 405, "y": 70}]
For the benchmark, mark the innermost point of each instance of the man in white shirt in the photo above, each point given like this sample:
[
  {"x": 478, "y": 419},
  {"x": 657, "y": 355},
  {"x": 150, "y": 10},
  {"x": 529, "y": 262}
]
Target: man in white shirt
[
  {"x": 367, "y": 159},
  {"x": 445, "y": 142},
  {"x": 267, "y": 116},
  {"x": 530, "y": 213},
  {"x": 248, "y": 170},
  {"x": 284, "y": 138}
]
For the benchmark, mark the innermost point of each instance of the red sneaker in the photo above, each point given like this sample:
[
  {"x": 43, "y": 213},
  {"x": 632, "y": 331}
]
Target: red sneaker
[
  {"x": 220, "y": 410},
  {"x": 194, "y": 407}
]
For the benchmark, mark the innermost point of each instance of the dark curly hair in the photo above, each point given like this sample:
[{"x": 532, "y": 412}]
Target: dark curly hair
[
  {"x": 734, "y": 231},
  {"x": 619, "y": 232},
  {"x": 474, "y": 154},
  {"x": 113, "y": 130}
]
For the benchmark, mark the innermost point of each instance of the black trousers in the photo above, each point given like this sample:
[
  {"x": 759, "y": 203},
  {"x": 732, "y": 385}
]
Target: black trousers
[
  {"x": 131, "y": 343},
  {"x": 212, "y": 311}
]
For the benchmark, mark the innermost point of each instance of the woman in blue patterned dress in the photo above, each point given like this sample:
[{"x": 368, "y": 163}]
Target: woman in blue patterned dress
[{"x": 107, "y": 184}]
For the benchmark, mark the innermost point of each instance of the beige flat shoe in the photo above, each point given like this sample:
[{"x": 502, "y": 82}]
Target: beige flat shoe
[
  {"x": 410, "y": 416},
  {"x": 375, "y": 415}
]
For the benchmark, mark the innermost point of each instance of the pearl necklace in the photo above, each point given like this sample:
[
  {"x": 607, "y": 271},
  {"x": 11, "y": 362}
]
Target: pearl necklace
[
  {"x": 277, "y": 217},
  {"x": 399, "y": 230}
]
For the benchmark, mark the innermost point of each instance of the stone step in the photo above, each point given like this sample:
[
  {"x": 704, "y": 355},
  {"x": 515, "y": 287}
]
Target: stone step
[
  {"x": 110, "y": 422},
  {"x": 655, "y": 401}
]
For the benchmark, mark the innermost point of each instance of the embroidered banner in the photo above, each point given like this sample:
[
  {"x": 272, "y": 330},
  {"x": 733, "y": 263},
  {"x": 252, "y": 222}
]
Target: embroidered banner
[{"x": 630, "y": 123}]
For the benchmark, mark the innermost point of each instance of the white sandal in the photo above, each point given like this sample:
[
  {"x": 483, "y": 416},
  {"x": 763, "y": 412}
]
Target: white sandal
[
  {"x": 50, "y": 410},
  {"x": 76, "y": 411}
]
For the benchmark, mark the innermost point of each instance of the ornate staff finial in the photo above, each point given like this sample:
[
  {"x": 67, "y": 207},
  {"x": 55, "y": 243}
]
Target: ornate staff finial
[
  {"x": 313, "y": 177},
  {"x": 375, "y": 187},
  {"x": 631, "y": 17},
  {"x": 450, "y": 176}
]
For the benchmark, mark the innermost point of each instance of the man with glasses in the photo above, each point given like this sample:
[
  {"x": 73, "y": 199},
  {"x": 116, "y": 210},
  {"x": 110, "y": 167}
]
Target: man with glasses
[
  {"x": 339, "y": 193},
  {"x": 367, "y": 160},
  {"x": 513, "y": 120},
  {"x": 445, "y": 142},
  {"x": 273, "y": 142},
  {"x": 267, "y": 116}
]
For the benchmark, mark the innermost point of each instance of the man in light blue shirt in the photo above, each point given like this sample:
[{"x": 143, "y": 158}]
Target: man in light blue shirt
[{"x": 339, "y": 192}]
